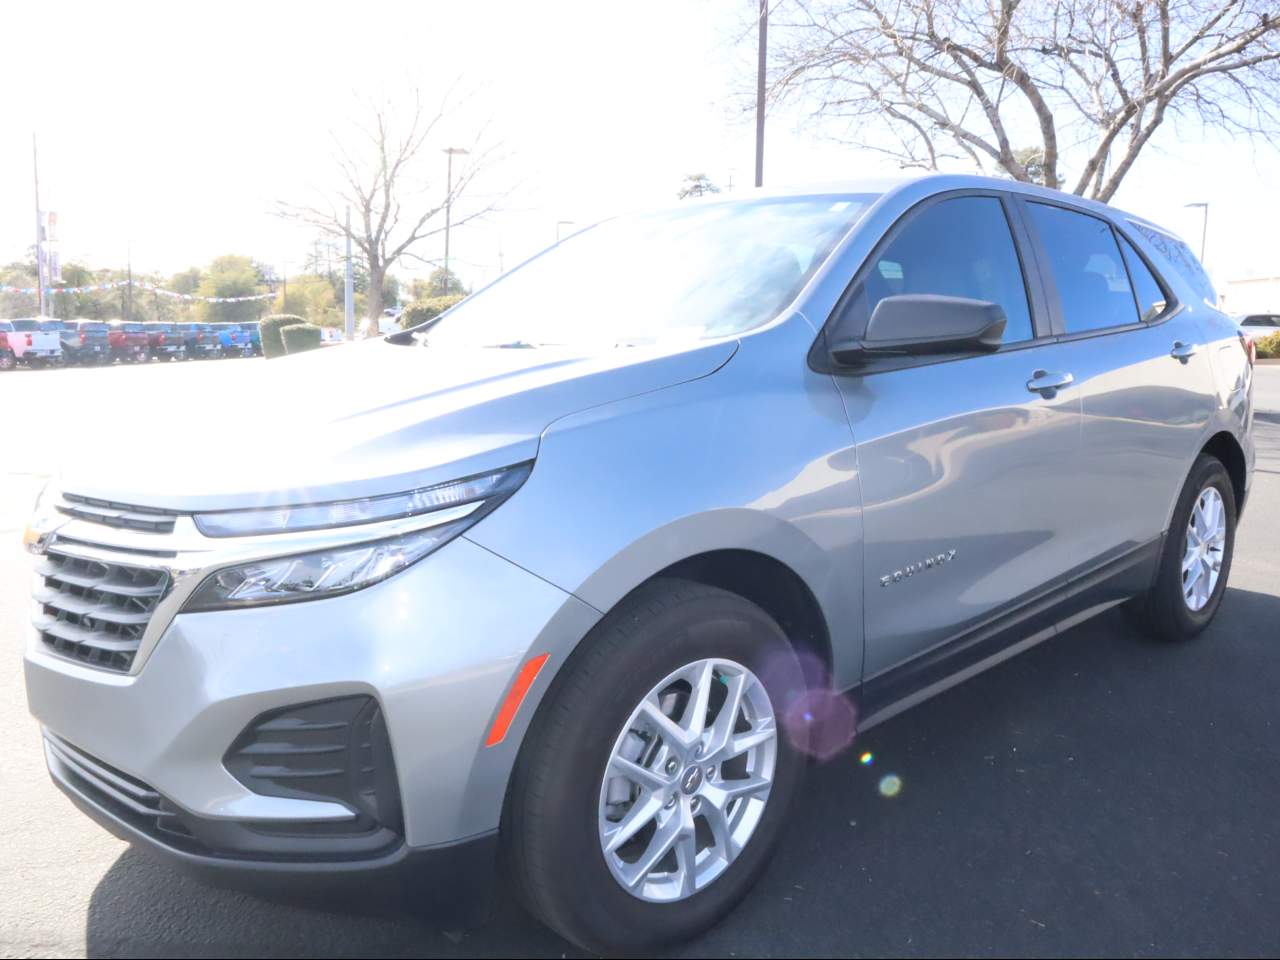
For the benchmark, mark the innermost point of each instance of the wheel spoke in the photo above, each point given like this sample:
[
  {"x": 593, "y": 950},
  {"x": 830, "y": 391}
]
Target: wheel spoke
[
  {"x": 695, "y": 714},
  {"x": 722, "y": 836},
  {"x": 727, "y": 718},
  {"x": 723, "y": 792},
  {"x": 642, "y": 811},
  {"x": 687, "y": 860},
  {"x": 659, "y": 845},
  {"x": 668, "y": 728},
  {"x": 640, "y": 776},
  {"x": 740, "y": 743}
]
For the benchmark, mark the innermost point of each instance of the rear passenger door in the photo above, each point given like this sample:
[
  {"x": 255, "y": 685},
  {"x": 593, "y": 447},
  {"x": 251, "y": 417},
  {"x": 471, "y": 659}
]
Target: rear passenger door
[
  {"x": 967, "y": 462},
  {"x": 1142, "y": 372}
]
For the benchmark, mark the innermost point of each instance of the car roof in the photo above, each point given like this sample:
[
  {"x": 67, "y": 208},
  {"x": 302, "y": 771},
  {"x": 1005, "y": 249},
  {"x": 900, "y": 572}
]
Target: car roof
[{"x": 936, "y": 183}]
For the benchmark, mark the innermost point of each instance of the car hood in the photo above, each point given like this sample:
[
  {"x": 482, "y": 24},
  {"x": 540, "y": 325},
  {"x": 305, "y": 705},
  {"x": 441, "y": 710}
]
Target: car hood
[{"x": 357, "y": 420}]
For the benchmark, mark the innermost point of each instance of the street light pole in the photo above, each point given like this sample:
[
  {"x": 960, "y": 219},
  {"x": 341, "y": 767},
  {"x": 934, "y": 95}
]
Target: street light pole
[
  {"x": 1204, "y": 225},
  {"x": 35, "y": 171},
  {"x": 448, "y": 208},
  {"x": 764, "y": 47}
]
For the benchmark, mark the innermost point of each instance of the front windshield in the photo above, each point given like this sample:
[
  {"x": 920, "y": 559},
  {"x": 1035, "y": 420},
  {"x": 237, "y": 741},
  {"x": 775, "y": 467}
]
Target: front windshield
[{"x": 708, "y": 270}]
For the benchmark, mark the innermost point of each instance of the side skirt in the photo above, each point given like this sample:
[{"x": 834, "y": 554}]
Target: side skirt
[{"x": 1046, "y": 615}]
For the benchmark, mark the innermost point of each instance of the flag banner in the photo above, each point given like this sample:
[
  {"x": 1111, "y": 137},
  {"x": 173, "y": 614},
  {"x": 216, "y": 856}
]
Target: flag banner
[{"x": 116, "y": 284}]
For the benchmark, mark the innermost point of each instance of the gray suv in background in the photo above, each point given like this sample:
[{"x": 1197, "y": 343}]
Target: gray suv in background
[{"x": 570, "y": 583}]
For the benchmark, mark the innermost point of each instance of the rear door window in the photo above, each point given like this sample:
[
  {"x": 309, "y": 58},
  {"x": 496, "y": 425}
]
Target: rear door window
[
  {"x": 959, "y": 247},
  {"x": 1088, "y": 269}
]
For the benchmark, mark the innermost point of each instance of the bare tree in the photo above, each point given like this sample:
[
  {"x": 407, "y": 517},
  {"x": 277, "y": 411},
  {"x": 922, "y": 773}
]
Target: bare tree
[
  {"x": 392, "y": 180},
  {"x": 1061, "y": 92}
]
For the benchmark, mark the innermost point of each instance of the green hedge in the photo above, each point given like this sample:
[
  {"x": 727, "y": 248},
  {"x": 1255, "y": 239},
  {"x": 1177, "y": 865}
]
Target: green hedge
[
  {"x": 1268, "y": 347},
  {"x": 269, "y": 329},
  {"x": 299, "y": 337},
  {"x": 420, "y": 311}
]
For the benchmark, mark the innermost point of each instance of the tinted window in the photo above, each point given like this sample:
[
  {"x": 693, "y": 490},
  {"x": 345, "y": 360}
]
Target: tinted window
[
  {"x": 1262, "y": 321},
  {"x": 1180, "y": 256},
  {"x": 1151, "y": 296},
  {"x": 133, "y": 328},
  {"x": 92, "y": 325},
  {"x": 51, "y": 325},
  {"x": 957, "y": 248},
  {"x": 26, "y": 325},
  {"x": 1093, "y": 285}
]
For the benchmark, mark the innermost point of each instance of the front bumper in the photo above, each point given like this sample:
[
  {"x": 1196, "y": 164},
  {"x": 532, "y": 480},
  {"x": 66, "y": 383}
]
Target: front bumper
[
  {"x": 436, "y": 646},
  {"x": 457, "y": 876}
]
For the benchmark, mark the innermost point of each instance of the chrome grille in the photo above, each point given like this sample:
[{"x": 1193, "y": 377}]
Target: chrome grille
[
  {"x": 120, "y": 515},
  {"x": 95, "y": 611}
]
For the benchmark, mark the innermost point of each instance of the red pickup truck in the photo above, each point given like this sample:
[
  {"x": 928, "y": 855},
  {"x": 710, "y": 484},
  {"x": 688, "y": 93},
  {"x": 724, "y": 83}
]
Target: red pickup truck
[{"x": 129, "y": 341}]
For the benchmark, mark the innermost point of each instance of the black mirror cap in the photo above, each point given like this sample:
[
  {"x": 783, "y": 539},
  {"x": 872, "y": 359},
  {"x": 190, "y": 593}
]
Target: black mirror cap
[{"x": 926, "y": 323}]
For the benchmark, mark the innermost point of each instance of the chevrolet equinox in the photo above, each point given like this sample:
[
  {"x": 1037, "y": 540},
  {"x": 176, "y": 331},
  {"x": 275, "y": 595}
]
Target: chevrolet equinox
[{"x": 569, "y": 584}]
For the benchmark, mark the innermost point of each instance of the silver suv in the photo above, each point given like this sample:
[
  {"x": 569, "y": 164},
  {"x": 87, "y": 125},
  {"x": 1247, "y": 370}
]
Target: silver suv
[{"x": 576, "y": 578}]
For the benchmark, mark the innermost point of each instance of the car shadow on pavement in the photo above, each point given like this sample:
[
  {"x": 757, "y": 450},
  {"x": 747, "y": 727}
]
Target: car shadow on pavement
[{"x": 1099, "y": 794}]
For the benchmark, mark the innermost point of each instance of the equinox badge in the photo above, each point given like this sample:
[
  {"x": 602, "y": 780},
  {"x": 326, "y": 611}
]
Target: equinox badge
[{"x": 911, "y": 569}]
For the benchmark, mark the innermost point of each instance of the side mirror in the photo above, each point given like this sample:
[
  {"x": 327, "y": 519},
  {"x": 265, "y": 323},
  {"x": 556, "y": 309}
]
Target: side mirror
[{"x": 923, "y": 323}]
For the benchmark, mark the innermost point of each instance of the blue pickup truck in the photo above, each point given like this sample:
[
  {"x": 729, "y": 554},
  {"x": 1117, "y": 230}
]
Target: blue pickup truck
[{"x": 255, "y": 337}]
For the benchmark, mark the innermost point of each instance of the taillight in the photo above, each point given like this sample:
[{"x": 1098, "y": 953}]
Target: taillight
[
  {"x": 1250, "y": 348},
  {"x": 162, "y": 339},
  {"x": 199, "y": 338},
  {"x": 29, "y": 343},
  {"x": 83, "y": 336}
]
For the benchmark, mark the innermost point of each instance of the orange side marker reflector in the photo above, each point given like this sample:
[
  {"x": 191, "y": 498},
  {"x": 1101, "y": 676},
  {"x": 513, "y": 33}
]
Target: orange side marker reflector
[{"x": 515, "y": 696}]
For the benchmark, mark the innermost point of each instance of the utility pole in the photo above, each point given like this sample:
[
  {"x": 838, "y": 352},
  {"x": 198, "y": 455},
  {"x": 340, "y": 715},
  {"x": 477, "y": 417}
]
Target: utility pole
[
  {"x": 448, "y": 208},
  {"x": 35, "y": 171},
  {"x": 764, "y": 47},
  {"x": 348, "y": 288}
]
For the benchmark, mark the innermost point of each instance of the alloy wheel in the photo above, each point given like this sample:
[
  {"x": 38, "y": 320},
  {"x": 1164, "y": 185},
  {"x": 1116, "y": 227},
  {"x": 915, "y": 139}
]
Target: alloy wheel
[
  {"x": 1204, "y": 548},
  {"x": 687, "y": 781}
]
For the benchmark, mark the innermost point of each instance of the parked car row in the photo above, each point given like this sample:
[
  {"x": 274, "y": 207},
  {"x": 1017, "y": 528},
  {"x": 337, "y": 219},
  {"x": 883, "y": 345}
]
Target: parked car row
[{"x": 39, "y": 341}]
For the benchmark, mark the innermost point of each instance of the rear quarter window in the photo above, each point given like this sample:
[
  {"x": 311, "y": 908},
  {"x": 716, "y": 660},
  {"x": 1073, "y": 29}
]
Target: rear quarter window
[{"x": 1180, "y": 257}]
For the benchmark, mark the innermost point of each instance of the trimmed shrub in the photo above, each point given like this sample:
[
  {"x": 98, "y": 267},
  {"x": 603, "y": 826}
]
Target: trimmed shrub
[
  {"x": 1268, "y": 347},
  {"x": 420, "y": 311},
  {"x": 299, "y": 337},
  {"x": 269, "y": 330}
]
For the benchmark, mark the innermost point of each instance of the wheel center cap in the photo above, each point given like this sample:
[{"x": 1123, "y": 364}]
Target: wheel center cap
[{"x": 691, "y": 779}]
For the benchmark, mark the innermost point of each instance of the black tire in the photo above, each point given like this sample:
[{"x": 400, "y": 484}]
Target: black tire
[
  {"x": 7, "y": 360},
  {"x": 1162, "y": 612},
  {"x": 550, "y": 834}
]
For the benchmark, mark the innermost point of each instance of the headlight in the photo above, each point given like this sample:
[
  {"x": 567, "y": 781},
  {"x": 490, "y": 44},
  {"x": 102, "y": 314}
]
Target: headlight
[
  {"x": 349, "y": 513},
  {"x": 45, "y": 519},
  {"x": 350, "y": 566},
  {"x": 308, "y": 576}
]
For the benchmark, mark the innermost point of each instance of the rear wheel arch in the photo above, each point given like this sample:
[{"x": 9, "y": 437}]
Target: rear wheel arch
[{"x": 1225, "y": 448}]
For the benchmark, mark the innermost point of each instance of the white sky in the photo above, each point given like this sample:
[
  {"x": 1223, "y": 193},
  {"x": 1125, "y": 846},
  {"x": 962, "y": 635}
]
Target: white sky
[{"x": 174, "y": 127}]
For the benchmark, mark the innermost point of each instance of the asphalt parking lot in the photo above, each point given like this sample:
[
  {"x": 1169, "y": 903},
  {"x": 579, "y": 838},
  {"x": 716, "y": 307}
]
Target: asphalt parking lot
[{"x": 1098, "y": 795}]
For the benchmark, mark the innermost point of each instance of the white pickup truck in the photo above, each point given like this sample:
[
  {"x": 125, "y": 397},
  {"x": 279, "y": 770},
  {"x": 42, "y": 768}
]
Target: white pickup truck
[{"x": 28, "y": 340}]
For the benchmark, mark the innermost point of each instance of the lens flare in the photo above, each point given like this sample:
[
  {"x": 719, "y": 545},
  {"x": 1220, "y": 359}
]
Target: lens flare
[
  {"x": 867, "y": 759},
  {"x": 890, "y": 785}
]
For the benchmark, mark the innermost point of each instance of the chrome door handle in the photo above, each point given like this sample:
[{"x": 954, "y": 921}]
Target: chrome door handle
[
  {"x": 1182, "y": 352},
  {"x": 1048, "y": 384}
]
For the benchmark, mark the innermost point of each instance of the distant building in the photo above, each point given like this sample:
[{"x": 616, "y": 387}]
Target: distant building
[{"x": 1250, "y": 295}]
